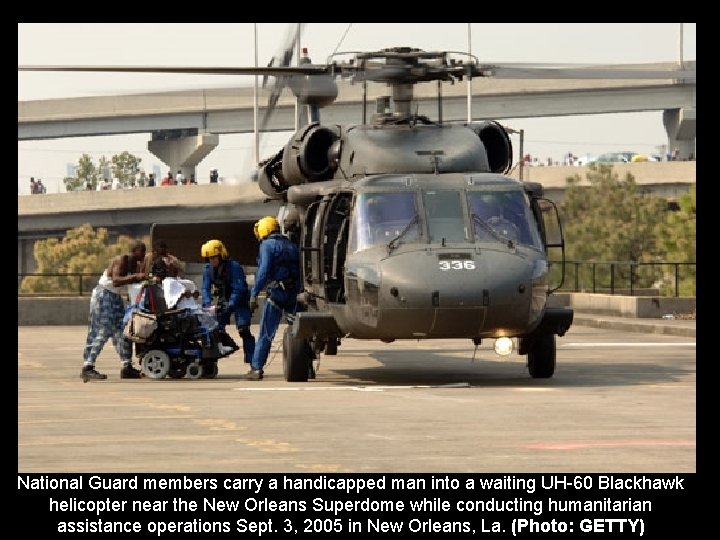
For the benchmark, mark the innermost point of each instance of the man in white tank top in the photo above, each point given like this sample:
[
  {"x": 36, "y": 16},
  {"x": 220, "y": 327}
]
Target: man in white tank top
[{"x": 107, "y": 309}]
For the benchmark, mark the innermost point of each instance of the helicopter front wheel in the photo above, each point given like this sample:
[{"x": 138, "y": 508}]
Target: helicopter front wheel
[
  {"x": 297, "y": 356},
  {"x": 541, "y": 357}
]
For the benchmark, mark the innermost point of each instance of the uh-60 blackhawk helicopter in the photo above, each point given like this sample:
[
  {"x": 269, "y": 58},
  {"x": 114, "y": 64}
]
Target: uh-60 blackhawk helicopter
[{"x": 409, "y": 227}]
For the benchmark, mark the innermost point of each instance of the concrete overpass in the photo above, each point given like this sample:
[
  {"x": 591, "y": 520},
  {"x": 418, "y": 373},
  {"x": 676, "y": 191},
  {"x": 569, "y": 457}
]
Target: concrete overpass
[
  {"x": 42, "y": 214},
  {"x": 185, "y": 125},
  {"x": 207, "y": 205}
]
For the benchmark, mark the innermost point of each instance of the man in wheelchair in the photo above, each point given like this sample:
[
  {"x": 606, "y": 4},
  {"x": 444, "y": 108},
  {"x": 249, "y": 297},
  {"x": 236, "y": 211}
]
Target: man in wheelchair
[{"x": 185, "y": 340}]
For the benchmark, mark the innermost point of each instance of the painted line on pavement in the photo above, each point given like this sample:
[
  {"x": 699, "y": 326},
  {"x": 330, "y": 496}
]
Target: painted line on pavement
[
  {"x": 621, "y": 344},
  {"x": 354, "y": 388},
  {"x": 579, "y": 445}
]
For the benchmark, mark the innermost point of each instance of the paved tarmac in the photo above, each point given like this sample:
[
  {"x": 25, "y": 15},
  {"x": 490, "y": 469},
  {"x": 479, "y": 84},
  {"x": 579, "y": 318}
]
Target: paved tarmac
[
  {"x": 674, "y": 327},
  {"x": 620, "y": 401}
]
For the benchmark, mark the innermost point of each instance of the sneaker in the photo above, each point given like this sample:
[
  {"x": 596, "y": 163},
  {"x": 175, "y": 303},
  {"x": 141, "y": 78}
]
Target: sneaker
[
  {"x": 254, "y": 375},
  {"x": 89, "y": 372},
  {"x": 129, "y": 372},
  {"x": 224, "y": 349}
]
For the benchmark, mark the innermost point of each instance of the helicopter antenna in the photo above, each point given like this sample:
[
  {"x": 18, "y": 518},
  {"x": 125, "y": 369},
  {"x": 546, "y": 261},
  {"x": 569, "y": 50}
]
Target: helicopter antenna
[
  {"x": 255, "y": 100},
  {"x": 469, "y": 76},
  {"x": 343, "y": 37},
  {"x": 364, "y": 103},
  {"x": 439, "y": 87}
]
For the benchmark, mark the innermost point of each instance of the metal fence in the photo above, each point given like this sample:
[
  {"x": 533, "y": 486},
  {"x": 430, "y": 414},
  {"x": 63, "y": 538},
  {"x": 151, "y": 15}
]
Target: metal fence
[
  {"x": 613, "y": 277},
  {"x": 65, "y": 284},
  {"x": 625, "y": 277},
  {"x": 57, "y": 283}
]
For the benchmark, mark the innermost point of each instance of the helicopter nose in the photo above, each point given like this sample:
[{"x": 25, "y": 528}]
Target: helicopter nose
[{"x": 455, "y": 294}]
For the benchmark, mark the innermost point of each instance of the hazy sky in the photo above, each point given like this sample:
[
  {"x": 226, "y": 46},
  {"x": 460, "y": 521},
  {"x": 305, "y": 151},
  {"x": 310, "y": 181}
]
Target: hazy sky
[{"x": 233, "y": 45}]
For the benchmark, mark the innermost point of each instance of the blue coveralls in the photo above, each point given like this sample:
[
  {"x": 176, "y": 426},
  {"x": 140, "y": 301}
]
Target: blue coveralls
[
  {"x": 279, "y": 270},
  {"x": 236, "y": 297}
]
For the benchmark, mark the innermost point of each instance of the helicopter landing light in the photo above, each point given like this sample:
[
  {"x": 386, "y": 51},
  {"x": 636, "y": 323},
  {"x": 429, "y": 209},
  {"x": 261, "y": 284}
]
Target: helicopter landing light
[{"x": 503, "y": 346}]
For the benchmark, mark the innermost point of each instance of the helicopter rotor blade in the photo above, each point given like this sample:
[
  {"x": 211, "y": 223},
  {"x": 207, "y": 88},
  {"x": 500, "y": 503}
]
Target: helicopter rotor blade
[
  {"x": 281, "y": 81},
  {"x": 284, "y": 58},
  {"x": 307, "y": 69},
  {"x": 382, "y": 72},
  {"x": 544, "y": 71}
]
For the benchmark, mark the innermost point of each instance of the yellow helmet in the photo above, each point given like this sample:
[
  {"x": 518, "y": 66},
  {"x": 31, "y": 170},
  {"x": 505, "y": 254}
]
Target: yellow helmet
[
  {"x": 265, "y": 226},
  {"x": 212, "y": 248}
]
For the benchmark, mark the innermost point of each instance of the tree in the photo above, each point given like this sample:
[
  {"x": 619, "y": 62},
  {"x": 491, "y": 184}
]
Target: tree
[
  {"x": 125, "y": 168},
  {"x": 677, "y": 242},
  {"x": 82, "y": 250},
  {"x": 611, "y": 219},
  {"x": 85, "y": 172}
]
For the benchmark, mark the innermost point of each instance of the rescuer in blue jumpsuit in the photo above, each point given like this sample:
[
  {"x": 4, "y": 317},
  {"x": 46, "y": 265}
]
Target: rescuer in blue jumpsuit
[
  {"x": 228, "y": 279},
  {"x": 279, "y": 270}
]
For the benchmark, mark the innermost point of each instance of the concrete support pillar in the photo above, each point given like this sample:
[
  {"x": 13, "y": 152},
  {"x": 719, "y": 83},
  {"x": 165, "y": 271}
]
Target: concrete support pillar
[
  {"x": 680, "y": 127},
  {"x": 185, "y": 152}
]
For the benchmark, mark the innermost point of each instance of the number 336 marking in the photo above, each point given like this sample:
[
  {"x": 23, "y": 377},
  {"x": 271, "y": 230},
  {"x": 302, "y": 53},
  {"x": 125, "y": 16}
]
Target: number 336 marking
[{"x": 456, "y": 265}]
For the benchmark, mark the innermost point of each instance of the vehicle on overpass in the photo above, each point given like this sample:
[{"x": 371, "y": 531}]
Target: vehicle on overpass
[
  {"x": 409, "y": 227},
  {"x": 627, "y": 156}
]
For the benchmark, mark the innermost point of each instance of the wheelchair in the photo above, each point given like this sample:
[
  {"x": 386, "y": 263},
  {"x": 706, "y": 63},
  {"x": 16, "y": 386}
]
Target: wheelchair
[{"x": 180, "y": 346}]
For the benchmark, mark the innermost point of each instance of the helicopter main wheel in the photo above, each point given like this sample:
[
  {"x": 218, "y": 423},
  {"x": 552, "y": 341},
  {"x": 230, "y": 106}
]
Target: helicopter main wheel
[
  {"x": 209, "y": 370},
  {"x": 541, "y": 358},
  {"x": 155, "y": 364},
  {"x": 296, "y": 358},
  {"x": 194, "y": 371}
]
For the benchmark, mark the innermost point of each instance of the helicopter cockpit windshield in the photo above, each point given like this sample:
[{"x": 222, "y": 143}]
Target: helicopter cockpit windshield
[
  {"x": 444, "y": 215},
  {"x": 438, "y": 216},
  {"x": 383, "y": 216},
  {"x": 503, "y": 214}
]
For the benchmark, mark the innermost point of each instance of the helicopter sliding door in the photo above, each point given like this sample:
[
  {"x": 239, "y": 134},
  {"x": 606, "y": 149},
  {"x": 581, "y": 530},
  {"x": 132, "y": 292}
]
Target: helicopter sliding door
[
  {"x": 324, "y": 246},
  {"x": 553, "y": 239},
  {"x": 336, "y": 228},
  {"x": 309, "y": 251}
]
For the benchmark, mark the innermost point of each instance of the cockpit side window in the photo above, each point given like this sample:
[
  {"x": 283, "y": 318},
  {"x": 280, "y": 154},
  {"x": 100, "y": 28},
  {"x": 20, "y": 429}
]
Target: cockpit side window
[
  {"x": 382, "y": 216},
  {"x": 507, "y": 213}
]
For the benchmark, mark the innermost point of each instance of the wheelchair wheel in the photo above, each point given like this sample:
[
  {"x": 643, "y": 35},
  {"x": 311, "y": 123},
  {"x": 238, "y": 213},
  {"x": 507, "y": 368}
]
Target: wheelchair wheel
[
  {"x": 177, "y": 372},
  {"x": 209, "y": 370},
  {"x": 194, "y": 371},
  {"x": 155, "y": 364}
]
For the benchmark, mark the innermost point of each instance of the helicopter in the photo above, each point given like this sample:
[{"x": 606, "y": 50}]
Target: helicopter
[{"x": 409, "y": 227}]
